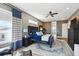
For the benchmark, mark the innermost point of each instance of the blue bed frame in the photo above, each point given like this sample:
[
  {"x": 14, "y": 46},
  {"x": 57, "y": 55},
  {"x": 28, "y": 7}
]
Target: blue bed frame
[{"x": 37, "y": 39}]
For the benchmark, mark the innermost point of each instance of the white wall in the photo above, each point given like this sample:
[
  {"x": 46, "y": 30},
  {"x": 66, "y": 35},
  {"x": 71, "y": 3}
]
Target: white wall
[{"x": 76, "y": 49}]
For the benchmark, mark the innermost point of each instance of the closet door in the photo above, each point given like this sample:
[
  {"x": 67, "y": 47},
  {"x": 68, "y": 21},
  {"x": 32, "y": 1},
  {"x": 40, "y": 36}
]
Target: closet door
[
  {"x": 76, "y": 36},
  {"x": 71, "y": 38}
]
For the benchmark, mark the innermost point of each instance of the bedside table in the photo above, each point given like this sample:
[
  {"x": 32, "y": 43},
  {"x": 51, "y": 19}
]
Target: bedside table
[{"x": 26, "y": 41}]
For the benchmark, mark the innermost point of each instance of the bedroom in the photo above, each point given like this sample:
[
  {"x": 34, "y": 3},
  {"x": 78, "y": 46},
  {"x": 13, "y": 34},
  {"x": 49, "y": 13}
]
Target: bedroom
[{"x": 25, "y": 26}]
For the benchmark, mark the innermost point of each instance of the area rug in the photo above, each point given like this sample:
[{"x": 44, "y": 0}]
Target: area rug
[
  {"x": 59, "y": 48},
  {"x": 56, "y": 47}
]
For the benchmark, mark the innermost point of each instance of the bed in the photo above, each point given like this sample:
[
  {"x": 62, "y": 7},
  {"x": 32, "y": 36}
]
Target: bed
[
  {"x": 43, "y": 39},
  {"x": 38, "y": 37}
]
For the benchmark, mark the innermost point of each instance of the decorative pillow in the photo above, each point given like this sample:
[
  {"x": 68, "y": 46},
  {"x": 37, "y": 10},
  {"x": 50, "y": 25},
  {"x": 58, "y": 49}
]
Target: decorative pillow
[{"x": 39, "y": 33}]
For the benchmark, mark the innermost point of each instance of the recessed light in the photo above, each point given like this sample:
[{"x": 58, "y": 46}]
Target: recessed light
[{"x": 67, "y": 8}]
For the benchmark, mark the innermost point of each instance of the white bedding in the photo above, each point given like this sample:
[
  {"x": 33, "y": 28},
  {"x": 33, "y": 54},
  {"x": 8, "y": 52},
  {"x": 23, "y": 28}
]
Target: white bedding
[{"x": 45, "y": 37}]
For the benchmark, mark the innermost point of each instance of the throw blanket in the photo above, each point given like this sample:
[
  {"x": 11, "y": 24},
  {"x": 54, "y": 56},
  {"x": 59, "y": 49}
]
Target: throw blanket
[{"x": 45, "y": 37}]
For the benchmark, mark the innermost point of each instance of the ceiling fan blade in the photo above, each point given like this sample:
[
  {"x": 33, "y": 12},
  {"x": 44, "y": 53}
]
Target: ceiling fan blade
[
  {"x": 47, "y": 15},
  {"x": 55, "y": 13},
  {"x": 52, "y": 15}
]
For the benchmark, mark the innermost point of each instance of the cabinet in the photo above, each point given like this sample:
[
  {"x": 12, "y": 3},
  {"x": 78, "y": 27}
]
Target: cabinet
[
  {"x": 71, "y": 38},
  {"x": 73, "y": 33}
]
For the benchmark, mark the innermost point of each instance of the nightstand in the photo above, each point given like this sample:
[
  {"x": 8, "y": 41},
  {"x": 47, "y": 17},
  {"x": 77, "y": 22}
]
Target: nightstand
[{"x": 26, "y": 41}]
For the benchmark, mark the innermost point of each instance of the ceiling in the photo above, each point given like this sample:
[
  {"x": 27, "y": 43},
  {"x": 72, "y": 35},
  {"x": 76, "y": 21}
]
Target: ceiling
[{"x": 40, "y": 10}]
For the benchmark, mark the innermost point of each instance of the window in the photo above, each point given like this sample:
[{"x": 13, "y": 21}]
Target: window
[
  {"x": 33, "y": 22},
  {"x": 5, "y": 25}
]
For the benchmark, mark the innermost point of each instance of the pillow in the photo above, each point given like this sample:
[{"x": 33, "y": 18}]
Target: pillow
[{"x": 39, "y": 33}]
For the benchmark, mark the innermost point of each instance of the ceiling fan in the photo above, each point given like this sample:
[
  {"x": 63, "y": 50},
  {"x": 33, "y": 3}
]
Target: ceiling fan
[{"x": 51, "y": 14}]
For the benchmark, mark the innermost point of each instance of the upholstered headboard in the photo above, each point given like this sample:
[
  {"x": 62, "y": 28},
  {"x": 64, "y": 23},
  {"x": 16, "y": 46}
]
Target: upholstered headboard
[{"x": 32, "y": 29}]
